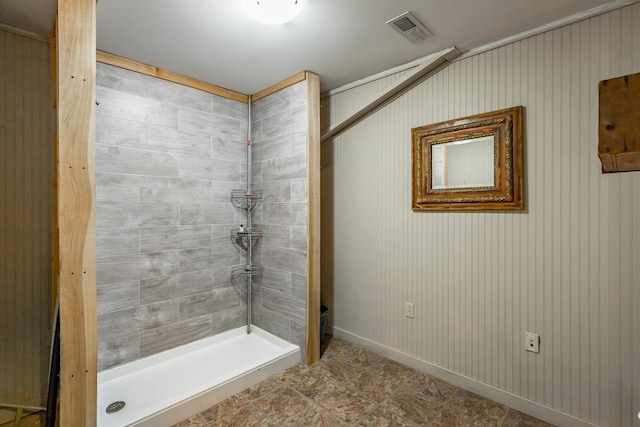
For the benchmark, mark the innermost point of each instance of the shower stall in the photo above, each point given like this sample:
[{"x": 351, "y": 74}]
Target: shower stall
[{"x": 174, "y": 288}]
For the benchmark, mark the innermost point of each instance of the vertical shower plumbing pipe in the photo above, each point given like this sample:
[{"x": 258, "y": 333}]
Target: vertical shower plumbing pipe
[{"x": 249, "y": 201}]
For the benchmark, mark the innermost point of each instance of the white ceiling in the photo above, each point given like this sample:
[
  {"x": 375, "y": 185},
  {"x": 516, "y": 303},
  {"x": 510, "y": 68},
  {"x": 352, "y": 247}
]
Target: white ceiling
[{"x": 341, "y": 40}]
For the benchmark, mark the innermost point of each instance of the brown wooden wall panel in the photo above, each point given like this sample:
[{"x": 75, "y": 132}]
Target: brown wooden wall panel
[
  {"x": 618, "y": 131},
  {"x": 26, "y": 167}
]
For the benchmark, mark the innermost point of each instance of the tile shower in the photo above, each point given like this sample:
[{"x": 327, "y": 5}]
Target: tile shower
[{"x": 167, "y": 158}]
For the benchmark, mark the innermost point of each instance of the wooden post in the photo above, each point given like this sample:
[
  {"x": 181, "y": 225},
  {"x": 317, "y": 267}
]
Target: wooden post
[
  {"x": 313, "y": 223},
  {"x": 76, "y": 75}
]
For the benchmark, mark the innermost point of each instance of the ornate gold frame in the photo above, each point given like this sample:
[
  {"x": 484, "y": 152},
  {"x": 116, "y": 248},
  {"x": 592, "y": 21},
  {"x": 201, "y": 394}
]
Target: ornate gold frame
[{"x": 506, "y": 193}]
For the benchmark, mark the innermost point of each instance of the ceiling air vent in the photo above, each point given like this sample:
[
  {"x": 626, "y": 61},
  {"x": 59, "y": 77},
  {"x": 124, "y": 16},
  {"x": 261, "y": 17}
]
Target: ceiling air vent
[{"x": 410, "y": 28}]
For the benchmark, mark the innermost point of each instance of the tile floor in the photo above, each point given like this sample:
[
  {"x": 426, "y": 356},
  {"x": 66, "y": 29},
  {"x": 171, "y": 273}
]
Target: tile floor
[{"x": 351, "y": 386}]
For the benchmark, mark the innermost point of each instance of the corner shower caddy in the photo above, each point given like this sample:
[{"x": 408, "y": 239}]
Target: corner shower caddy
[{"x": 246, "y": 237}]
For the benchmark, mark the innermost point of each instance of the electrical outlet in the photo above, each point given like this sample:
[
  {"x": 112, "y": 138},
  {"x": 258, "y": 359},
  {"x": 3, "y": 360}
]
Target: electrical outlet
[
  {"x": 409, "y": 310},
  {"x": 532, "y": 342}
]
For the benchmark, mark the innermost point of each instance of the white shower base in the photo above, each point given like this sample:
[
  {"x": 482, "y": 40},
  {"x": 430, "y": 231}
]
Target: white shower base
[{"x": 168, "y": 387}]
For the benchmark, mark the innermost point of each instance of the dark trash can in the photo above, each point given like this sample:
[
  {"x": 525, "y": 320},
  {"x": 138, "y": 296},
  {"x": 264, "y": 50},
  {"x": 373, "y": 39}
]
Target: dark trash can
[{"x": 324, "y": 316}]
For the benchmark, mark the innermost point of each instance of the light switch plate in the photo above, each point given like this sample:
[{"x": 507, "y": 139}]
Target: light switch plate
[{"x": 409, "y": 310}]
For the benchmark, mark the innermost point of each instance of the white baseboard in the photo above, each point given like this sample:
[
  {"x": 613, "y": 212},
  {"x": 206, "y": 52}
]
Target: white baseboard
[{"x": 511, "y": 400}]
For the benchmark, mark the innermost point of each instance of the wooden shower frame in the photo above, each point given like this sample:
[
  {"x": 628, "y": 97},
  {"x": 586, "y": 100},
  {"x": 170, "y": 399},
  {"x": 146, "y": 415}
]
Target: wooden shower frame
[{"x": 74, "y": 250}]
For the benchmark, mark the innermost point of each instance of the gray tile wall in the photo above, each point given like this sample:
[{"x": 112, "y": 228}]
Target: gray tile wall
[
  {"x": 167, "y": 157},
  {"x": 279, "y": 126}
]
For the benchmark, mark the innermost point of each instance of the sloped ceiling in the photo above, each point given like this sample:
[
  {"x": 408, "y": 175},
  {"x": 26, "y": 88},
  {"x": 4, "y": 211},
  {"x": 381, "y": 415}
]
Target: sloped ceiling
[{"x": 216, "y": 41}]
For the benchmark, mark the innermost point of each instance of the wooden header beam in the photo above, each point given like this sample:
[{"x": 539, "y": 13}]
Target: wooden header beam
[
  {"x": 150, "y": 70},
  {"x": 160, "y": 73},
  {"x": 296, "y": 78}
]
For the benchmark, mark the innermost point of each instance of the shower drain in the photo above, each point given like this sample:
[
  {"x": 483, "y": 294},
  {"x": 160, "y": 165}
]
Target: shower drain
[{"x": 115, "y": 406}]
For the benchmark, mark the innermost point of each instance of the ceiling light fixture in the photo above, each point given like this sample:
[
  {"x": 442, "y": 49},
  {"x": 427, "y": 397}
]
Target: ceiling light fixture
[{"x": 273, "y": 11}]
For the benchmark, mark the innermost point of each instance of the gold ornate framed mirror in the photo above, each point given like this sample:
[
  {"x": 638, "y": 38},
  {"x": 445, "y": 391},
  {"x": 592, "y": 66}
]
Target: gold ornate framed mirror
[{"x": 471, "y": 163}]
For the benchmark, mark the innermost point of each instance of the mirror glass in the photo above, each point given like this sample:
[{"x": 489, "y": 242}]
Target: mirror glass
[{"x": 465, "y": 163}]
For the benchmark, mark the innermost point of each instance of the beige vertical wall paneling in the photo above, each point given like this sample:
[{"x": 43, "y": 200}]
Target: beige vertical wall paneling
[
  {"x": 635, "y": 236},
  {"x": 25, "y": 232},
  {"x": 563, "y": 268}
]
